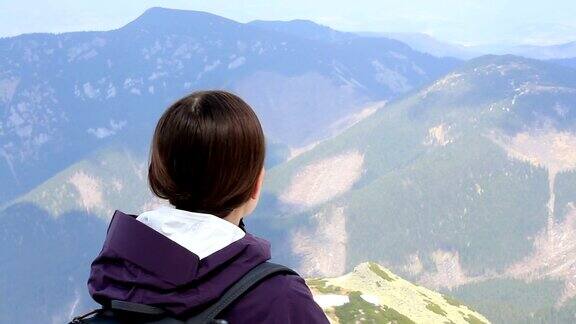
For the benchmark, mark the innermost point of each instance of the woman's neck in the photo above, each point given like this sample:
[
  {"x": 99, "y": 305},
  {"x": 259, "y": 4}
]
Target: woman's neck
[{"x": 235, "y": 216}]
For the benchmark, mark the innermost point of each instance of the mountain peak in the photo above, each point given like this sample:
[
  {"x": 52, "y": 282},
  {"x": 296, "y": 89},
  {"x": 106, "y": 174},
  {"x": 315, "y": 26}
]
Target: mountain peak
[
  {"x": 166, "y": 19},
  {"x": 376, "y": 269},
  {"x": 518, "y": 68},
  {"x": 161, "y": 12}
]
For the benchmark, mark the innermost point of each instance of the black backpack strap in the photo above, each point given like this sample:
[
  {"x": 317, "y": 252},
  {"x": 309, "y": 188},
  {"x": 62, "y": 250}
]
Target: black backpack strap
[
  {"x": 249, "y": 280},
  {"x": 119, "y": 311},
  {"x": 135, "y": 308}
]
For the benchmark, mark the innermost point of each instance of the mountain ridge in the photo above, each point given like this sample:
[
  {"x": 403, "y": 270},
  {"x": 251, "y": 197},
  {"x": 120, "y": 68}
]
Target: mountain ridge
[
  {"x": 75, "y": 86},
  {"x": 372, "y": 293}
]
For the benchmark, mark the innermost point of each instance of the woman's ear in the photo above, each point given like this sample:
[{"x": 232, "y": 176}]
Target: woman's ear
[{"x": 258, "y": 187}]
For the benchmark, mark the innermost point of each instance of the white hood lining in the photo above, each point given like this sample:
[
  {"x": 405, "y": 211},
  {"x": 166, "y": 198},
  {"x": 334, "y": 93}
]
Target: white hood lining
[{"x": 200, "y": 233}]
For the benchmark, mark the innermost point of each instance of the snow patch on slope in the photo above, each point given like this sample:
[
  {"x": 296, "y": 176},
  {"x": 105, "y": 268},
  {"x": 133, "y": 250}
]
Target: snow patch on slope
[{"x": 331, "y": 300}]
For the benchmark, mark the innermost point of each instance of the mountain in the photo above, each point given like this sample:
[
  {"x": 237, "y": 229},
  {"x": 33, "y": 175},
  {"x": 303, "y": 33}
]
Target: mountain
[
  {"x": 559, "y": 51},
  {"x": 466, "y": 186},
  {"x": 97, "y": 185},
  {"x": 304, "y": 29},
  {"x": 45, "y": 262},
  {"x": 62, "y": 96},
  {"x": 459, "y": 177},
  {"x": 373, "y": 294},
  {"x": 428, "y": 44},
  {"x": 78, "y": 109},
  {"x": 461, "y": 185},
  {"x": 569, "y": 62},
  {"x": 418, "y": 41}
]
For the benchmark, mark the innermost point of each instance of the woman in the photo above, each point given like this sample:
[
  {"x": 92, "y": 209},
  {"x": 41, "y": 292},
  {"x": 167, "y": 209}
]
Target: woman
[{"x": 207, "y": 160}]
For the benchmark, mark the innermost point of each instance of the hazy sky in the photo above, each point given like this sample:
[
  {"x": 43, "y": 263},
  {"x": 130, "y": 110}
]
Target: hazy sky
[{"x": 474, "y": 22}]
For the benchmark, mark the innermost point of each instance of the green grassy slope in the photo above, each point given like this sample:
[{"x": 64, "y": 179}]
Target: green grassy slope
[{"x": 373, "y": 294}]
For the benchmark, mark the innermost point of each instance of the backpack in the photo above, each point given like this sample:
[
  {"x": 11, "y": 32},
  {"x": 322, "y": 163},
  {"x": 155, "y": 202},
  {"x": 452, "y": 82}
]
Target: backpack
[{"x": 127, "y": 312}]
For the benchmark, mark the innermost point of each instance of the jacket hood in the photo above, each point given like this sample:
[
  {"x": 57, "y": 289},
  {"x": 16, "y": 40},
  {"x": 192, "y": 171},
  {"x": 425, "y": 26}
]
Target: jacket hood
[{"x": 149, "y": 261}]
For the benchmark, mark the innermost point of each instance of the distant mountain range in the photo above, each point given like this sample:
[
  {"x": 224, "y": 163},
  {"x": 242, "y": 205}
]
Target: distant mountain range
[
  {"x": 458, "y": 176},
  {"x": 305, "y": 29},
  {"x": 428, "y": 44},
  {"x": 560, "y": 51},
  {"x": 62, "y": 96},
  {"x": 571, "y": 62}
]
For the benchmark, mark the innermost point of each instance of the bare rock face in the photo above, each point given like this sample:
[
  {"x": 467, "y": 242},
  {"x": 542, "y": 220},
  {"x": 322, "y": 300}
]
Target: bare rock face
[
  {"x": 323, "y": 248},
  {"x": 439, "y": 135},
  {"x": 448, "y": 274},
  {"x": 323, "y": 180},
  {"x": 554, "y": 256},
  {"x": 89, "y": 189}
]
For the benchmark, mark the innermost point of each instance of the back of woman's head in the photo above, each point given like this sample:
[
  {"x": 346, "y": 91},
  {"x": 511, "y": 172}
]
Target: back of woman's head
[{"x": 207, "y": 153}]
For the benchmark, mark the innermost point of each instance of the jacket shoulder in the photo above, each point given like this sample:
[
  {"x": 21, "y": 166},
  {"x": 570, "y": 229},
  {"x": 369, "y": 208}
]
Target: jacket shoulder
[{"x": 283, "y": 298}]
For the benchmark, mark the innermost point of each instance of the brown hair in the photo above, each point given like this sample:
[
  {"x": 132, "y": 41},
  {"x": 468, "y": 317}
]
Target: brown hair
[{"x": 207, "y": 152}]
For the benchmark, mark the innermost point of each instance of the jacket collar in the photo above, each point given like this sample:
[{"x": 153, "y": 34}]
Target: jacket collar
[{"x": 200, "y": 233}]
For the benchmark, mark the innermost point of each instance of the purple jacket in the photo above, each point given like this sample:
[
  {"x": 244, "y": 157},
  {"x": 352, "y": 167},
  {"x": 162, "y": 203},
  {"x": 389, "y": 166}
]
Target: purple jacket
[{"x": 139, "y": 264}]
